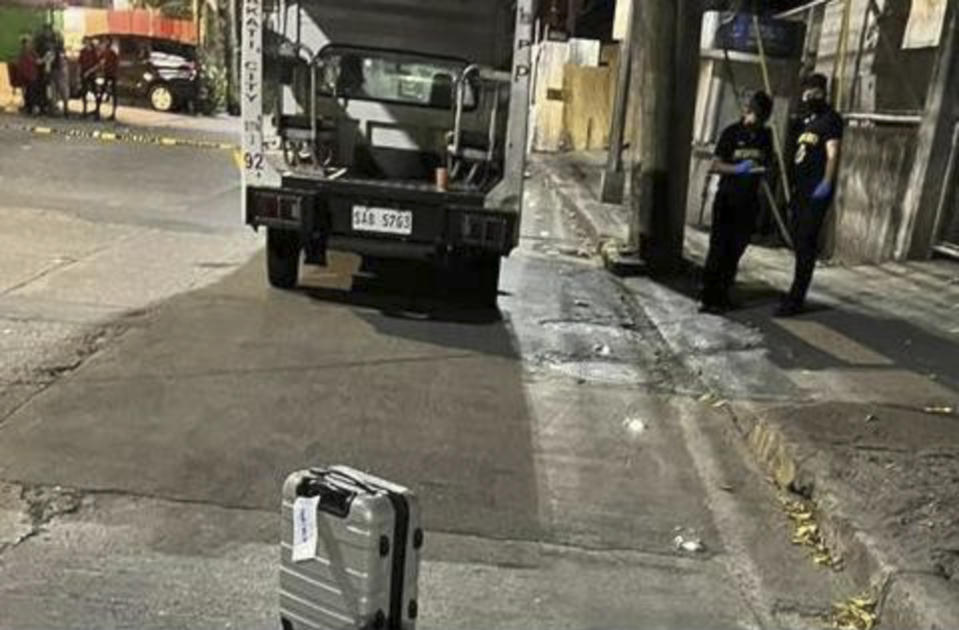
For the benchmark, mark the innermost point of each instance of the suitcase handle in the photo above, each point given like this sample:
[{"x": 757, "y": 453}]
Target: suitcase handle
[
  {"x": 326, "y": 472},
  {"x": 334, "y": 501}
]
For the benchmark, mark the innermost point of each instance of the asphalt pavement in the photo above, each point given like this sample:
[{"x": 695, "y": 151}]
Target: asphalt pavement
[{"x": 557, "y": 444}]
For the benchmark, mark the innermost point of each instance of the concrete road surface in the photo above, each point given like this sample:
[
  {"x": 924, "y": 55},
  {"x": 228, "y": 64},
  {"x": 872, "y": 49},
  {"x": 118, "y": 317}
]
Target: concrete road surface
[{"x": 157, "y": 392}]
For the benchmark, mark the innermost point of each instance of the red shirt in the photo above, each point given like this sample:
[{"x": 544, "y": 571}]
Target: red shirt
[
  {"x": 27, "y": 67},
  {"x": 110, "y": 63},
  {"x": 88, "y": 59}
]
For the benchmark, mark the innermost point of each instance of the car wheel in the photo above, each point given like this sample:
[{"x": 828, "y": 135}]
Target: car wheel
[
  {"x": 161, "y": 98},
  {"x": 282, "y": 258}
]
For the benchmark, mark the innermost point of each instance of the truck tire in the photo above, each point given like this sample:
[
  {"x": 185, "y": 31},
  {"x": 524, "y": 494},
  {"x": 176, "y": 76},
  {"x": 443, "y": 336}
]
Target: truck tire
[
  {"x": 474, "y": 280},
  {"x": 282, "y": 258},
  {"x": 487, "y": 280}
]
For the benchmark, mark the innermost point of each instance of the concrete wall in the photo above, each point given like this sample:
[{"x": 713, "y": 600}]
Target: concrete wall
[{"x": 873, "y": 180}]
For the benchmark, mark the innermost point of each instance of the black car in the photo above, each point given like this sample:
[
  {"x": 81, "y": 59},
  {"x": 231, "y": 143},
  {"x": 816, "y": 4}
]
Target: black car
[{"x": 163, "y": 72}]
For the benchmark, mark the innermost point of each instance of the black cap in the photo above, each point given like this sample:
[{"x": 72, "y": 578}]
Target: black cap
[
  {"x": 761, "y": 105},
  {"x": 815, "y": 81}
]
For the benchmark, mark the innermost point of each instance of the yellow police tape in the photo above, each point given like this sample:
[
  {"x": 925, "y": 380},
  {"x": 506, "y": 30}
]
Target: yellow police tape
[{"x": 128, "y": 137}]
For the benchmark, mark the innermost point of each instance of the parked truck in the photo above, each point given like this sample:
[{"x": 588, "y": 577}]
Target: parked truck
[{"x": 394, "y": 129}]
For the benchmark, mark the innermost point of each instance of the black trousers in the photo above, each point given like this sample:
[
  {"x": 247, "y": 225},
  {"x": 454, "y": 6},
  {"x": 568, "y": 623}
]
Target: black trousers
[
  {"x": 31, "y": 96},
  {"x": 88, "y": 87},
  {"x": 808, "y": 217},
  {"x": 109, "y": 88},
  {"x": 732, "y": 228}
]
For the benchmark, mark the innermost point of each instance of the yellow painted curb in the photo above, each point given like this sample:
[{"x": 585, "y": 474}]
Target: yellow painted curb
[{"x": 131, "y": 138}]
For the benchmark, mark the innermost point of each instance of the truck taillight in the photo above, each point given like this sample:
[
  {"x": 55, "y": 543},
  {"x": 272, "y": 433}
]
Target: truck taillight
[
  {"x": 268, "y": 206},
  {"x": 277, "y": 206}
]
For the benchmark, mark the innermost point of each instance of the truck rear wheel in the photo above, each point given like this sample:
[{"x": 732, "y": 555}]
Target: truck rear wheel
[
  {"x": 282, "y": 258},
  {"x": 487, "y": 281},
  {"x": 476, "y": 279}
]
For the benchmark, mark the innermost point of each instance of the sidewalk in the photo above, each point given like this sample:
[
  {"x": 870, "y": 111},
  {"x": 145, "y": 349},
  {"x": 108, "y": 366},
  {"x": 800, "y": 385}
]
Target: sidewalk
[
  {"x": 140, "y": 122},
  {"x": 853, "y": 405}
]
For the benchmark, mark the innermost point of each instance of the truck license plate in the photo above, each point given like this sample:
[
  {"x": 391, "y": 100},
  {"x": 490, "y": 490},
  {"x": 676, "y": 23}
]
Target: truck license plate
[{"x": 384, "y": 220}]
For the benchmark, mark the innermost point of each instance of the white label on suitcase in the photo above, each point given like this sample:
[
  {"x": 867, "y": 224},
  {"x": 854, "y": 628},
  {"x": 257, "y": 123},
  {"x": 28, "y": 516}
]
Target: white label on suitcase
[{"x": 304, "y": 528}]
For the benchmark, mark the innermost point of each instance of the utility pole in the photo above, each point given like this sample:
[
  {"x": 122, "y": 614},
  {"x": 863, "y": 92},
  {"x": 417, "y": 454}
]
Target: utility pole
[
  {"x": 613, "y": 176},
  {"x": 668, "y": 33}
]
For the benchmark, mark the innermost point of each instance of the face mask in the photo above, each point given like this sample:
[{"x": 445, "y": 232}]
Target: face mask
[{"x": 815, "y": 105}]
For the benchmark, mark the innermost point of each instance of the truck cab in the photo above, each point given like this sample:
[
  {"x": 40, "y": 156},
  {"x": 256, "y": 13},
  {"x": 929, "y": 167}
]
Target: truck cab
[{"x": 389, "y": 128}]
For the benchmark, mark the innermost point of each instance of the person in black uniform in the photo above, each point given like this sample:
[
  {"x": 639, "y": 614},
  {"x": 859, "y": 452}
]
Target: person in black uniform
[
  {"x": 815, "y": 167},
  {"x": 743, "y": 152}
]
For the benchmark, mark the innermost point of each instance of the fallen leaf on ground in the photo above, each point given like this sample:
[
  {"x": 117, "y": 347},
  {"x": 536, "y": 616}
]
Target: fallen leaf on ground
[{"x": 856, "y": 613}]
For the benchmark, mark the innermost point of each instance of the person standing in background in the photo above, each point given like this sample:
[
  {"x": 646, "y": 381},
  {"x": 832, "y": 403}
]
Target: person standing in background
[
  {"x": 108, "y": 65},
  {"x": 816, "y": 165},
  {"x": 28, "y": 72},
  {"x": 743, "y": 153},
  {"x": 88, "y": 66}
]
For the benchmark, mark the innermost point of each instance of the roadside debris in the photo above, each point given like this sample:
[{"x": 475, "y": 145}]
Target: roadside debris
[
  {"x": 807, "y": 533},
  {"x": 939, "y": 410},
  {"x": 581, "y": 303},
  {"x": 856, "y": 613},
  {"x": 602, "y": 350},
  {"x": 692, "y": 545},
  {"x": 872, "y": 418},
  {"x": 634, "y": 426}
]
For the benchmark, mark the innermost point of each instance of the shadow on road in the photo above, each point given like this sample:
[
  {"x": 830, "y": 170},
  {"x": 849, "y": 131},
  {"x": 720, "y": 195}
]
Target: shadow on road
[
  {"x": 406, "y": 300},
  {"x": 826, "y": 336},
  {"x": 218, "y": 394}
]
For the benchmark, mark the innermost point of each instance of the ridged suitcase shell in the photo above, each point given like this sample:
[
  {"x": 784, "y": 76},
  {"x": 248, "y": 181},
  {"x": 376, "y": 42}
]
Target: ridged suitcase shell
[{"x": 348, "y": 584}]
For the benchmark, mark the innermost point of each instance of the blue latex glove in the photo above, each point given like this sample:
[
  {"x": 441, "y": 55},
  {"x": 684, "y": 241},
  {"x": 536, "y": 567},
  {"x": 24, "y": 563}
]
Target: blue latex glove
[
  {"x": 744, "y": 167},
  {"x": 822, "y": 191}
]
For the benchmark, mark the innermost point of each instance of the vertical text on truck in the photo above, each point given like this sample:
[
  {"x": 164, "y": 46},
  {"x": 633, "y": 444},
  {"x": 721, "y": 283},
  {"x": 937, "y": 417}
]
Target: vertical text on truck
[{"x": 353, "y": 109}]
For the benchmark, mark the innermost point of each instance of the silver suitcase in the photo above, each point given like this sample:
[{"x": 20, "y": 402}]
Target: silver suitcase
[{"x": 350, "y": 552}]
